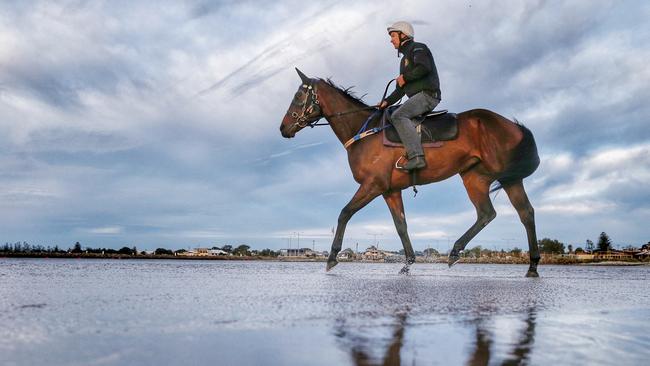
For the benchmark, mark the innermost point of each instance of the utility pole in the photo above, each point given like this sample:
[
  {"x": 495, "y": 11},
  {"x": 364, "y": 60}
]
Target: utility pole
[
  {"x": 289, "y": 252},
  {"x": 375, "y": 242}
]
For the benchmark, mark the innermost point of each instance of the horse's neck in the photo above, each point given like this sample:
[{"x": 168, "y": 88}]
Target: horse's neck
[{"x": 346, "y": 125}]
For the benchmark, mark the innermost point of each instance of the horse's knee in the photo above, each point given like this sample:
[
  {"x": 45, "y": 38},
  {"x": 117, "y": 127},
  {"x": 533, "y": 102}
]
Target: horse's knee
[
  {"x": 486, "y": 216},
  {"x": 344, "y": 216},
  {"x": 527, "y": 216}
]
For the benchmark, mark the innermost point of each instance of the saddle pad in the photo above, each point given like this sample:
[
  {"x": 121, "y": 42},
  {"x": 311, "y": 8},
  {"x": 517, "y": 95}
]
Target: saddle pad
[{"x": 442, "y": 127}]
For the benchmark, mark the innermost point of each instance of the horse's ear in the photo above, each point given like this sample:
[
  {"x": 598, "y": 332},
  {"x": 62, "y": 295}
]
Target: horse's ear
[{"x": 303, "y": 77}]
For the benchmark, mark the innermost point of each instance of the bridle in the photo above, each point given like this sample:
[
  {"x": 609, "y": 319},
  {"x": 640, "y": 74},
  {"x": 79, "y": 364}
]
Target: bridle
[
  {"x": 302, "y": 119},
  {"x": 311, "y": 108}
]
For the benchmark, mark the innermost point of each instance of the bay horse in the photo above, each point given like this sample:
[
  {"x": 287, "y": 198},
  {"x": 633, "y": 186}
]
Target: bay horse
[{"x": 489, "y": 148}]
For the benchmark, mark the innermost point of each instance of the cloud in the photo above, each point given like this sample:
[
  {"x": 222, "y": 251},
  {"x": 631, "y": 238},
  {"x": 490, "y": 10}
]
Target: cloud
[
  {"x": 104, "y": 139},
  {"x": 108, "y": 230}
]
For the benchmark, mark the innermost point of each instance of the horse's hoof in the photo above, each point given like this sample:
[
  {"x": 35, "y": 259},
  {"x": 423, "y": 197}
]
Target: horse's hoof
[
  {"x": 405, "y": 270},
  {"x": 532, "y": 274},
  {"x": 331, "y": 265},
  {"x": 453, "y": 259}
]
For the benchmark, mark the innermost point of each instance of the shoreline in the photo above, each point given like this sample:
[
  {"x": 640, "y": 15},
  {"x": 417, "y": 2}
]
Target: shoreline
[{"x": 442, "y": 259}]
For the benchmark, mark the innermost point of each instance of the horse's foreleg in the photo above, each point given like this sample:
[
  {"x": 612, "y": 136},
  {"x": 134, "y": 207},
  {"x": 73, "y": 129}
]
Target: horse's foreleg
[
  {"x": 396, "y": 207},
  {"x": 364, "y": 195},
  {"x": 478, "y": 190},
  {"x": 519, "y": 200}
]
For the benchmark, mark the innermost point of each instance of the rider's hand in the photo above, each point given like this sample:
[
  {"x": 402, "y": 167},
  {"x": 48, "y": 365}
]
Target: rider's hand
[
  {"x": 382, "y": 105},
  {"x": 400, "y": 81}
]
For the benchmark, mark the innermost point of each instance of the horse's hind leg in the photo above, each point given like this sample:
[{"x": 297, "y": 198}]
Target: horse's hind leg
[
  {"x": 478, "y": 190},
  {"x": 520, "y": 201},
  {"x": 362, "y": 197},
  {"x": 396, "y": 207}
]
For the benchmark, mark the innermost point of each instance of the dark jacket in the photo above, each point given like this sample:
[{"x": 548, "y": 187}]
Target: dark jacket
[{"x": 419, "y": 72}]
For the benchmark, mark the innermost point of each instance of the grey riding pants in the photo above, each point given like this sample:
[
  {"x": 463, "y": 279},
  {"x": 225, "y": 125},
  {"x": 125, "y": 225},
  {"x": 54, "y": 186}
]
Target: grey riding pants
[{"x": 416, "y": 105}]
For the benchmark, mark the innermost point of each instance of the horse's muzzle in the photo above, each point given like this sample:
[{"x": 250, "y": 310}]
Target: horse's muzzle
[{"x": 287, "y": 132}]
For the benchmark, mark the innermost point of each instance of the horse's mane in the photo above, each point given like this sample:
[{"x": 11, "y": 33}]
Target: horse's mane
[{"x": 347, "y": 92}]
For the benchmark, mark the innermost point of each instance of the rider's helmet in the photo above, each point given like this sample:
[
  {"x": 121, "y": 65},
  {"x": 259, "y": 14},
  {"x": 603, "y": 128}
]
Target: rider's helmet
[{"x": 404, "y": 27}]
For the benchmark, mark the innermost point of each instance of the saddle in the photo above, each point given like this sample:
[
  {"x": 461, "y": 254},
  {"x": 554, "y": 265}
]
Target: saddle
[{"x": 434, "y": 127}]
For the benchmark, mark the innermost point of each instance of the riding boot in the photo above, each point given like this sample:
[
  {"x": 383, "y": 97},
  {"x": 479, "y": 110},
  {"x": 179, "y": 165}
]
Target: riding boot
[{"x": 415, "y": 163}]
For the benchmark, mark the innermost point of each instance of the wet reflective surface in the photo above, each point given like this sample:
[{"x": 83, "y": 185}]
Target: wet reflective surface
[{"x": 112, "y": 312}]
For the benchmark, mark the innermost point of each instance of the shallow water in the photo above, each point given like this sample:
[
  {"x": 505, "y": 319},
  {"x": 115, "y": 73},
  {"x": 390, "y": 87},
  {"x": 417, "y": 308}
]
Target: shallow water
[{"x": 133, "y": 312}]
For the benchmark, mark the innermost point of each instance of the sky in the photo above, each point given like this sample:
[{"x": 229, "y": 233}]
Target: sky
[{"x": 155, "y": 123}]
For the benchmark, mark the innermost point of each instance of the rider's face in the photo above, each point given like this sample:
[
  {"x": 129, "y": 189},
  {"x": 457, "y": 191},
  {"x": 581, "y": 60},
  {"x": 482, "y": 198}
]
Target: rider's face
[{"x": 394, "y": 39}]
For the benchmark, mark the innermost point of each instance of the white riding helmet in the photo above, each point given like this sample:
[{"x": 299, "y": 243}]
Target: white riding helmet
[{"x": 401, "y": 26}]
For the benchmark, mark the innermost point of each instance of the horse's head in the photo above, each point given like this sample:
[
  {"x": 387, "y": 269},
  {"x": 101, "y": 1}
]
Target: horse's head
[{"x": 304, "y": 109}]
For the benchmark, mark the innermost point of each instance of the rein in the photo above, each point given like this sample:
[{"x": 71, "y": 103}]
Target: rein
[{"x": 301, "y": 119}]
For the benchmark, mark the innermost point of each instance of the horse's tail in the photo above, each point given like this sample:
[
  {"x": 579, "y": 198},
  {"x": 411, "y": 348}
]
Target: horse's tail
[{"x": 524, "y": 162}]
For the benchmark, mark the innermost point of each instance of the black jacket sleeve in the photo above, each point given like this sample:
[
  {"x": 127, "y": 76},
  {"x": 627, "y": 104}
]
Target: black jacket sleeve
[{"x": 396, "y": 95}]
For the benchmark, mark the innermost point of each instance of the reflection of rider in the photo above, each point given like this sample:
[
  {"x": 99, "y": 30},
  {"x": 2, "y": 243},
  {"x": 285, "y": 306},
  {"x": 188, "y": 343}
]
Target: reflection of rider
[{"x": 418, "y": 79}]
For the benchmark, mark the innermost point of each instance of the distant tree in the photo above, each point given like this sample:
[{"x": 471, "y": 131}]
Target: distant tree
[
  {"x": 474, "y": 252},
  {"x": 134, "y": 250},
  {"x": 268, "y": 253},
  {"x": 226, "y": 248},
  {"x": 76, "y": 248},
  {"x": 579, "y": 250},
  {"x": 125, "y": 250},
  {"x": 570, "y": 248},
  {"x": 551, "y": 246},
  {"x": 163, "y": 251},
  {"x": 589, "y": 246},
  {"x": 516, "y": 252},
  {"x": 241, "y": 250},
  {"x": 604, "y": 243},
  {"x": 180, "y": 251},
  {"x": 430, "y": 252}
]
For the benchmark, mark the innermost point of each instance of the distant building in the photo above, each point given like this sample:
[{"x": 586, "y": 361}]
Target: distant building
[
  {"x": 373, "y": 254},
  {"x": 217, "y": 252},
  {"x": 346, "y": 254},
  {"x": 583, "y": 256},
  {"x": 643, "y": 254},
  {"x": 614, "y": 255},
  {"x": 295, "y": 252},
  {"x": 204, "y": 252}
]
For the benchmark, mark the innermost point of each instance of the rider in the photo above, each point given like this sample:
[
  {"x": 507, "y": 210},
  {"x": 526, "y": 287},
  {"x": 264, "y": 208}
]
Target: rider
[{"x": 418, "y": 79}]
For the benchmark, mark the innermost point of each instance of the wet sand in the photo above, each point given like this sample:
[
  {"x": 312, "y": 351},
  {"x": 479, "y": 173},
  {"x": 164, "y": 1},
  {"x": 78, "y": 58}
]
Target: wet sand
[{"x": 85, "y": 312}]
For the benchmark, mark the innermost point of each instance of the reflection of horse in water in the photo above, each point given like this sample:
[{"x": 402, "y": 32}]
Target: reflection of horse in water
[
  {"x": 359, "y": 350},
  {"x": 360, "y": 353},
  {"x": 520, "y": 354},
  {"x": 489, "y": 148}
]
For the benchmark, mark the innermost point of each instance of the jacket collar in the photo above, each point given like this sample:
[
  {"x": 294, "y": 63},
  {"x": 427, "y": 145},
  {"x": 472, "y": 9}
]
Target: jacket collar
[{"x": 405, "y": 46}]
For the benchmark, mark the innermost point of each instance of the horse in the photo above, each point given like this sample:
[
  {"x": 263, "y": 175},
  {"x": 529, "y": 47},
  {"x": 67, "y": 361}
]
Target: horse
[{"x": 489, "y": 149}]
